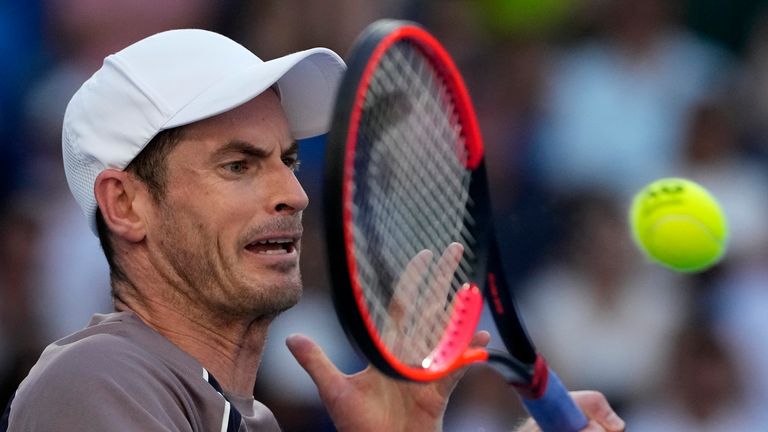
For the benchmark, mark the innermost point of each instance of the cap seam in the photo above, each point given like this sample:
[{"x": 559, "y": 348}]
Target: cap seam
[
  {"x": 154, "y": 98},
  {"x": 201, "y": 92}
]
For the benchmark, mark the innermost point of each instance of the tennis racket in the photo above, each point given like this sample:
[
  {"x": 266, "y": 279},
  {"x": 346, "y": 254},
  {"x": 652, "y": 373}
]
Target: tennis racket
[{"x": 408, "y": 219}]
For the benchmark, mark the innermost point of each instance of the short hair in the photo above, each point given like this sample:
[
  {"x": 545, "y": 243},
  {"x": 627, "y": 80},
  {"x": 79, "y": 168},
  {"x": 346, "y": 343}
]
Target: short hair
[{"x": 151, "y": 167}]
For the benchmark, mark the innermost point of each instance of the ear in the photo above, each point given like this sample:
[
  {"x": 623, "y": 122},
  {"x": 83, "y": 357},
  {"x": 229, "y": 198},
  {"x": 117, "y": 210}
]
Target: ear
[{"x": 121, "y": 199}]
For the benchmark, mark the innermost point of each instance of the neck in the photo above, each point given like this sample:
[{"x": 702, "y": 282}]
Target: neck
[{"x": 230, "y": 349}]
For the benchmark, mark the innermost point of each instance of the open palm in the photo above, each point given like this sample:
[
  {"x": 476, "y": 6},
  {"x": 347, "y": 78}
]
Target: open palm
[{"x": 370, "y": 400}]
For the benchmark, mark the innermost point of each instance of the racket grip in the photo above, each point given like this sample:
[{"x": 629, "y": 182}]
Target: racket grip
[{"x": 555, "y": 410}]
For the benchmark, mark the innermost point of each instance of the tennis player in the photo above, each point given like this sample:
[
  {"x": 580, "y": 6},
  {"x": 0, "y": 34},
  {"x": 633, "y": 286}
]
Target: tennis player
[{"x": 181, "y": 152}]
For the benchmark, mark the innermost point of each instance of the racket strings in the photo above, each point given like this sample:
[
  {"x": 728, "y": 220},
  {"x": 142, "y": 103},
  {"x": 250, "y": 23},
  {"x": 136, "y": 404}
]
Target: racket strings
[
  {"x": 409, "y": 170},
  {"x": 425, "y": 139},
  {"x": 414, "y": 197}
]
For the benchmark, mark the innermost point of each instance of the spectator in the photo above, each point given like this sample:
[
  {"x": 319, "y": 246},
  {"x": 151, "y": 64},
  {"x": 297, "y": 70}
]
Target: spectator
[
  {"x": 703, "y": 391},
  {"x": 617, "y": 103}
]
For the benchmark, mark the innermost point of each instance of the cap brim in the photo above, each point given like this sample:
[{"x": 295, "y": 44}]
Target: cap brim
[{"x": 307, "y": 80}]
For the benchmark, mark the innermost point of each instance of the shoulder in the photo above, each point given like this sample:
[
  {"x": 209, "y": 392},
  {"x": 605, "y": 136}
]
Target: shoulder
[
  {"x": 118, "y": 348},
  {"x": 88, "y": 358},
  {"x": 96, "y": 375}
]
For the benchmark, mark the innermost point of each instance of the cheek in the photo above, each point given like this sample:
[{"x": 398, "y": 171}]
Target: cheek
[
  {"x": 179, "y": 223},
  {"x": 186, "y": 217},
  {"x": 219, "y": 217},
  {"x": 237, "y": 203},
  {"x": 218, "y": 210}
]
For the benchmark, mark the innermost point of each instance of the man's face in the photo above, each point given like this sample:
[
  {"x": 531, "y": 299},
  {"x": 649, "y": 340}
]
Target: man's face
[{"x": 228, "y": 227}]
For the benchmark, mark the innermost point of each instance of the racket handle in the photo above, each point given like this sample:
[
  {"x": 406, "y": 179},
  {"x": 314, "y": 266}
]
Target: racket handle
[{"x": 555, "y": 410}]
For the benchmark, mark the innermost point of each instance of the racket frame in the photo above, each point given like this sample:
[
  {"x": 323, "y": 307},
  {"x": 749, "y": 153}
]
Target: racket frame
[
  {"x": 349, "y": 299},
  {"x": 543, "y": 394}
]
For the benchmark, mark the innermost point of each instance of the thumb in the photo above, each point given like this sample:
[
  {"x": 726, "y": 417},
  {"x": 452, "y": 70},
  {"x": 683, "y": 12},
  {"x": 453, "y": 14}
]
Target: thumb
[{"x": 312, "y": 358}]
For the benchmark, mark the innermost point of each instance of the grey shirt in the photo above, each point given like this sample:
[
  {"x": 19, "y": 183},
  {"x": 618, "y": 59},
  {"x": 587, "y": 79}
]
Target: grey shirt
[{"x": 118, "y": 374}]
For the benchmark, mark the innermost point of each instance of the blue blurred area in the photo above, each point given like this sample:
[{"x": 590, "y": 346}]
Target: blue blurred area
[
  {"x": 22, "y": 49},
  {"x": 24, "y": 58},
  {"x": 312, "y": 155}
]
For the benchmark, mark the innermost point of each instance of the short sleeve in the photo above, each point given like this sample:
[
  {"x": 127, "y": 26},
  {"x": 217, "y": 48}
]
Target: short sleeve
[{"x": 102, "y": 383}]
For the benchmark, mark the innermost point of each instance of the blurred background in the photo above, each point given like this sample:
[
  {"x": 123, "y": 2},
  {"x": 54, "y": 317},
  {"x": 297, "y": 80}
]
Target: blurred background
[{"x": 581, "y": 103}]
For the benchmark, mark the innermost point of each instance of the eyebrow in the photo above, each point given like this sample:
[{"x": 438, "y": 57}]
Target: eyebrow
[{"x": 248, "y": 149}]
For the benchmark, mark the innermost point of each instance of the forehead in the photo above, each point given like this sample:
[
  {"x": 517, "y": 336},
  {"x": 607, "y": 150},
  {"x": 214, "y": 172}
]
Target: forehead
[{"x": 260, "y": 119}]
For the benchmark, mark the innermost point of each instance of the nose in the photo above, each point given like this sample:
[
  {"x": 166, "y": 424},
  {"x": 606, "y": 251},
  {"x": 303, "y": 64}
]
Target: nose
[{"x": 289, "y": 196}]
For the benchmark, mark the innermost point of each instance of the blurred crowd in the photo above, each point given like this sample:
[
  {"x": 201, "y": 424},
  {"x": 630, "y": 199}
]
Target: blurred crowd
[{"x": 581, "y": 103}]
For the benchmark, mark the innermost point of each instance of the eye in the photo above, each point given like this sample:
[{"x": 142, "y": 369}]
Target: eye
[
  {"x": 292, "y": 162},
  {"x": 236, "y": 167}
]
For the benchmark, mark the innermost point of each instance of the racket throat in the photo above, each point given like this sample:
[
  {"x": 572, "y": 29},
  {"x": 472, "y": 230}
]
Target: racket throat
[{"x": 515, "y": 372}]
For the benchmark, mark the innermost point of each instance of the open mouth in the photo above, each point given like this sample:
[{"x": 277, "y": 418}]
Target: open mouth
[{"x": 279, "y": 246}]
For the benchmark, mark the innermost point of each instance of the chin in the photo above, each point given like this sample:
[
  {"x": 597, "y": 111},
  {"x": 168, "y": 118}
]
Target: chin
[
  {"x": 288, "y": 297},
  {"x": 274, "y": 298}
]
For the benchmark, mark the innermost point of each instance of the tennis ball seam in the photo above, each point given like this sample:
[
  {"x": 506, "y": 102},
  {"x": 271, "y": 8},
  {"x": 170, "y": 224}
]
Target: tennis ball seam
[{"x": 705, "y": 228}]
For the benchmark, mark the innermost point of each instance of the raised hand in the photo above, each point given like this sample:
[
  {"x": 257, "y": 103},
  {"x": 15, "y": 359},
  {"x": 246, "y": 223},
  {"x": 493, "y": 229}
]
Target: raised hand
[{"x": 369, "y": 400}]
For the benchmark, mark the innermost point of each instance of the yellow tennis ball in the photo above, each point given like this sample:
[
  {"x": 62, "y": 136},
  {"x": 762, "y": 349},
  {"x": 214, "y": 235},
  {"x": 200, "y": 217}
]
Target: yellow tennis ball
[{"x": 679, "y": 224}]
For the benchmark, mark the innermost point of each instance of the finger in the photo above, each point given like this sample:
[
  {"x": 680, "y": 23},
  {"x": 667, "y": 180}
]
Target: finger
[
  {"x": 481, "y": 339},
  {"x": 597, "y": 409},
  {"x": 446, "y": 385},
  {"x": 593, "y": 426},
  {"x": 446, "y": 267},
  {"x": 439, "y": 287},
  {"x": 408, "y": 285},
  {"x": 396, "y": 330},
  {"x": 319, "y": 367}
]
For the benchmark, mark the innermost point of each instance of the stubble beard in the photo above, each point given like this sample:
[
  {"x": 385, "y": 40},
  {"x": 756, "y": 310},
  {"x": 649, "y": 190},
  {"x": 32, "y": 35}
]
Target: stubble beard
[{"x": 221, "y": 290}]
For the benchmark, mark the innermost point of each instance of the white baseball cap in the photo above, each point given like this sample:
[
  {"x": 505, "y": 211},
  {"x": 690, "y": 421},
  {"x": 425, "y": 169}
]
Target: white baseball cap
[{"x": 179, "y": 77}]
